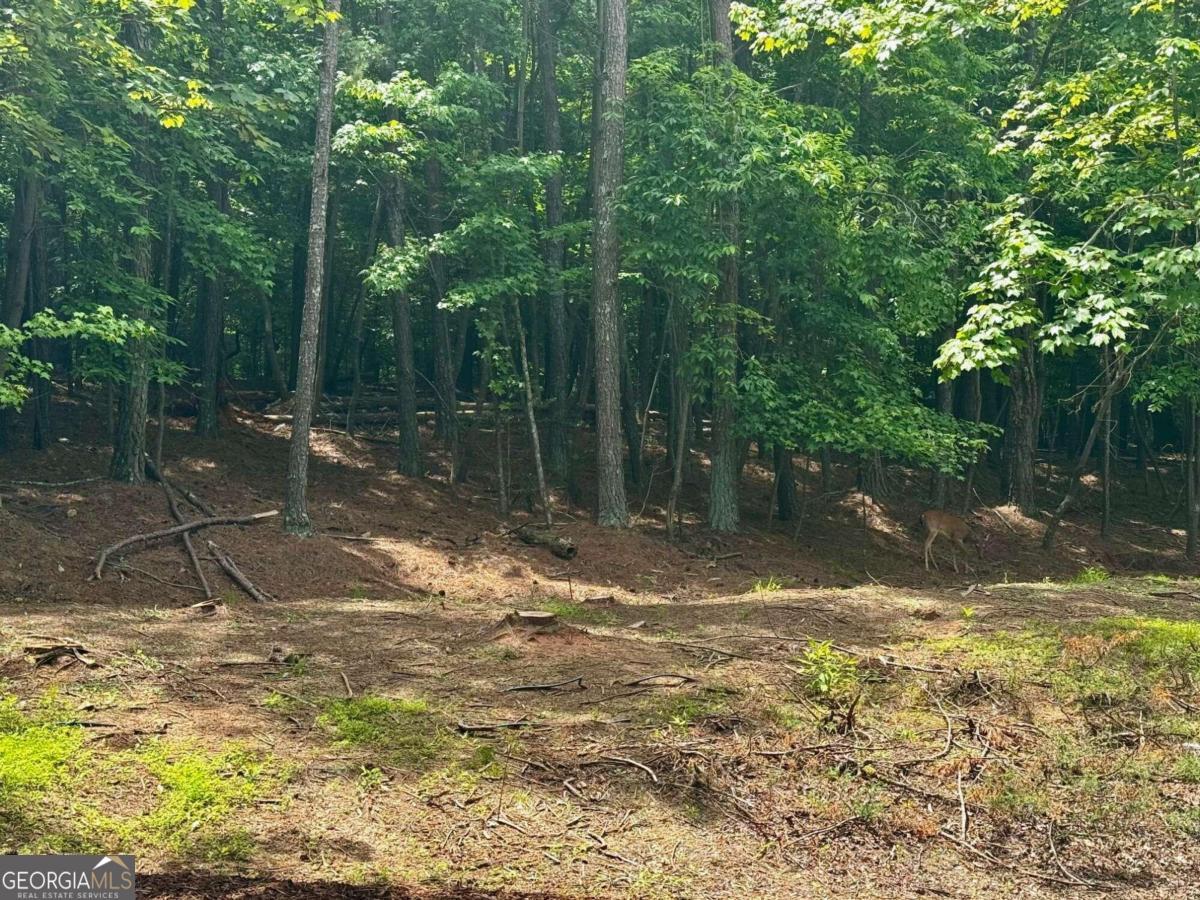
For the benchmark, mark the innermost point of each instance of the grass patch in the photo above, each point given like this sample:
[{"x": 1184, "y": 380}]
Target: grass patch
[
  {"x": 405, "y": 729},
  {"x": 1012, "y": 652},
  {"x": 827, "y": 672},
  {"x": 1154, "y": 644},
  {"x": 578, "y": 613},
  {"x": 1091, "y": 575},
  {"x": 769, "y": 585}
]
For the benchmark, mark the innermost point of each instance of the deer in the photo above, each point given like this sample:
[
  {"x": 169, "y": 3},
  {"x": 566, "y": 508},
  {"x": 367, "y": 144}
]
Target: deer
[{"x": 939, "y": 523}]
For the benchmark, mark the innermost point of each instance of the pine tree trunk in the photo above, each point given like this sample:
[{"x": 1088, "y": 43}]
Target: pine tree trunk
[
  {"x": 1193, "y": 483},
  {"x": 212, "y": 328},
  {"x": 681, "y": 414},
  {"x": 534, "y": 440},
  {"x": 39, "y": 299},
  {"x": 409, "y": 460},
  {"x": 356, "y": 325},
  {"x": 608, "y": 156},
  {"x": 726, "y": 465},
  {"x": 295, "y": 512},
  {"x": 552, "y": 248}
]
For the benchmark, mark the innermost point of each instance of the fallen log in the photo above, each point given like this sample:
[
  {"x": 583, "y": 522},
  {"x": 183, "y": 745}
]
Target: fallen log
[
  {"x": 561, "y": 547},
  {"x": 187, "y": 527},
  {"x": 225, "y": 561}
]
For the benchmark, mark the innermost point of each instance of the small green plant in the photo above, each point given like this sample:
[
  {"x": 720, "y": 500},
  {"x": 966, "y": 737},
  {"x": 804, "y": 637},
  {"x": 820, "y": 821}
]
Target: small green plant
[
  {"x": 277, "y": 702},
  {"x": 827, "y": 672},
  {"x": 1187, "y": 768},
  {"x": 1091, "y": 575},
  {"x": 769, "y": 585}
]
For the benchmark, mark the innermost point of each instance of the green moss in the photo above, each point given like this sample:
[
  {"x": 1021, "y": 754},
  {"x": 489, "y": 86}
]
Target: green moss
[
  {"x": 36, "y": 758},
  {"x": 198, "y": 792},
  {"x": 404, "y": 729}
]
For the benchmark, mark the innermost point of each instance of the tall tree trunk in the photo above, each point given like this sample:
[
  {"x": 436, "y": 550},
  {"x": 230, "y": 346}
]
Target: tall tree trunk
[
  {"x": 726, "y": 465},
  {"x": 325, "y": 371},
  {"x": 278, "y": 379},
  {"x": 1020, "y": 437},
  {"x": 18, "y": 256},
  {"x": 534, "y": 440},
  {"x": 446, "y": 421},
  {"x": 608, "y": 164},
  {"x": 356, "y": 325},
  {"x": 553, "y": 247},
  {"x": 212, "y": 328},
  {"x": 629, "y": 410},
  {"x": 681, "y": 413},
  {"x": 785, "y": 484},
  {"x": 1193, "y": 482},
  {"x": 39, "y": 299},
  {"x": 409, "y": 459},
  {"x": 945, "y": 405},
  {"x": 295, "y": 512}
]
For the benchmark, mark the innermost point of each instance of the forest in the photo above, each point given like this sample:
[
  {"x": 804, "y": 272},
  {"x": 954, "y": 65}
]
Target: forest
[{"x": 658, "y": 448}]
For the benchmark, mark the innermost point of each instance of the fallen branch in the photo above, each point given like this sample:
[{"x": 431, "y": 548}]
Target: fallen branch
[
  {"x": 578, "y": 679},
  {"x": 183, "y": 492},
  {"x": 50, "y": 484},
  {"x": 623, "y": 760},
  {"x": 187, "y": 539},
  {"x": 187, "y": 527},
  {"x": 653, "y": 681},
  {"x": 225, "y": 561},
  {"x": 996, "y": 861},
  {"x": 465, "y": 728}
]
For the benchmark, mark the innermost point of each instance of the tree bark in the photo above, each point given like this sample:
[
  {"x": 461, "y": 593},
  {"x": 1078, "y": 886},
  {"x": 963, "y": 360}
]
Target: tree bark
[
  {"x": 278, "y": 379},
  {"x": 212, "y": 328},
  {"x": 1020, "y": 437},
  {"x": 295, "y": 513},
  {"x": 18, "y": 256},
  {"x": 785, "y": 484},
  {"x": 553, "y": 247},
  {"x": 534, "y": 441},
  {"x": 356, "y": 325},
  {"x": 608, "y": 156},
  {"x": 446, "y": 423},
  {"x": 726, "y": 455},
  {"x": 409, "y": 457}
]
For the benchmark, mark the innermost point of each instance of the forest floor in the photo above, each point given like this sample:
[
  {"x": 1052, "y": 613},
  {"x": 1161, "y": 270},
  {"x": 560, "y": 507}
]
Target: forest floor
[{"x": 789, "y": 712}]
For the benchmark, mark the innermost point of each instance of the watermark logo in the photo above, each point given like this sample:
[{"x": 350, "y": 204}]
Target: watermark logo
[{"x": 67, "y": 878}]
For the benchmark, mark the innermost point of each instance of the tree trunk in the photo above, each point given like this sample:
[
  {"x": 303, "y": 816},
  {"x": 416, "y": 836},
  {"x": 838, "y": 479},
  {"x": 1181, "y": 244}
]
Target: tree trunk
[
  {"x": 18, "y": 256},
  {"x": 39, "y": 299},
  {"x": 945, "y": 405},
  {"x": 356, "y": 325},
  {"x": 324, "y": 369},
  {"x": 785, "y": 484},
  {"x": 278, "y": 379},
  {"x": 212, "y": 328},
  {"x": 608, "y": 156},
  {"x": 1193, "y": 483},
  {"x": 1114, "y": 385},
  {"x": 726, "y": 465},
  {"x": 534, "y": 441},
  {"x": 409, "y": 458},
  {"x": 681, "y": 413},
  {"x": 552, "y": 248},
  {"x": 446, "y": 422},
  {"x": 1020, "y": 437},
  {"x": 295, "y": 512}
]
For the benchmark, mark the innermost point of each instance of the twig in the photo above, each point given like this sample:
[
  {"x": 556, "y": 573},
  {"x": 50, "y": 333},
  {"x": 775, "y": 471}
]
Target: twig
[
  {"x": 497, "y": 726},
  {"x": 185, "y": 528},
  {"x": 126, "y": 567},
  {"x": 826, "y": 830},
  {"x": 645, "y": 680},
  {"x": 578, "y": 679},
  {"x": 346, "y": 682},
  {"x": 626, "y": 761},
  {"x": 962, "y": 809},
  {"x": 49, "y": 484}
]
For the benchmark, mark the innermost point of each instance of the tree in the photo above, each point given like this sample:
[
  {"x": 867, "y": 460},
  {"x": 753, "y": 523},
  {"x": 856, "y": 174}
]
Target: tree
[
  {"x": 295, "y": 511},
  {"x": 609, "y": 116}
]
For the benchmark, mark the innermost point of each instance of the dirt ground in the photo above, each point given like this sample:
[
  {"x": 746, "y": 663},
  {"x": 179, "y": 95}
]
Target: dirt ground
[{"x": 795, "y": 711}]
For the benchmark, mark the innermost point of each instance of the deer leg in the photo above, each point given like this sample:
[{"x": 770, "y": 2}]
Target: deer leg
[
  {"x": 928, "y": 545},
  {"x": 966, "y": 557}
]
